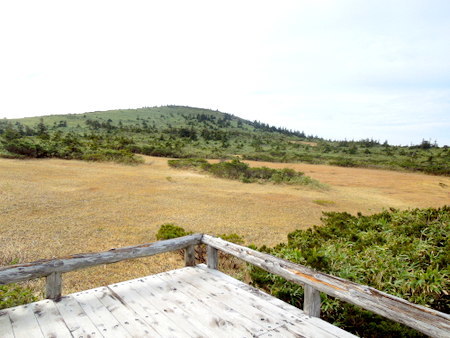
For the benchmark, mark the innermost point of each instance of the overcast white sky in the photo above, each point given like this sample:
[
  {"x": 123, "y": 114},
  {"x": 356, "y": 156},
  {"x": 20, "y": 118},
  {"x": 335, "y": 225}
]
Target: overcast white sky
[{"x": 337, "y": 69}]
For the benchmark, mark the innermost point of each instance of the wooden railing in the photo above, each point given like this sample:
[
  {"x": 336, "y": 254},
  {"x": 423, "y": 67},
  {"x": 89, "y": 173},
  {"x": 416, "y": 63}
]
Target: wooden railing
[{"x": 425, "y": 320}]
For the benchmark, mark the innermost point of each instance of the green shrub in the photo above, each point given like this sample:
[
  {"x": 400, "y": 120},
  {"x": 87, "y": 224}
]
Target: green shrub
[
  {"x": 26, "y": 147},
  {"x": 233, "y": 238},
  {"x": 403, "y": 253},
  {"x": 14, "y": 295},
  {"x": 237, "y": 170},
  {"x": 344, "y": 162},
  {"x": 187, "y": 163},
  {"x": 169, "y": 231},
  {"x": 119, "y": 156}
]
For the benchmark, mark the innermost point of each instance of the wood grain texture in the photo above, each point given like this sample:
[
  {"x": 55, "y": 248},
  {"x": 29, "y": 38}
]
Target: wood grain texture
[
  {"x": 53, "y": 285},
  {"x": 293, "y": 312},
  {"x": 248, "y": 306},
  {"x": 189, "y": 255},
  {"x": 75, "y": 318},
  {"x": 21, "y": 272},
  {"x": 50, "y": 320},
  {"x": 188, "y": 302},
  {"x": 23, "y": 322},
  {"x": 423, "y": 319},
  {"x": 212, "y": 257},
  {"x": 6, "y": 330},
  {"x": 311, "y": 305}
]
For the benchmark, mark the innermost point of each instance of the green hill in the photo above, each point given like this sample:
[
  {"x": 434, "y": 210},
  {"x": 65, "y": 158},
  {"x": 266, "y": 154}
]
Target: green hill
[{"x": 183, "y": 132}]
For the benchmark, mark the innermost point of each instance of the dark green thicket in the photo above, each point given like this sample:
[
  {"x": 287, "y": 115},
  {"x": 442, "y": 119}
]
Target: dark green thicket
[
  {"x": 237, "y": 170},
  {"x": 404, "y": 253},
  {"x": 185, "y": 132}
]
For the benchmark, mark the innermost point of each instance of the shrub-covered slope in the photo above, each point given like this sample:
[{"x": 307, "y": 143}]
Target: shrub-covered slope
[{"x": 184, "y": 132}]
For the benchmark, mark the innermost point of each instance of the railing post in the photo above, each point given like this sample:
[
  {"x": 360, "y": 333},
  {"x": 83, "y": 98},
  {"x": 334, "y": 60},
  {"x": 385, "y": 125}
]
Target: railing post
[
  {"x": 212, "y": 259},
  {"x": 189, "y": 256},
  {"x": 53, "y": 286},
  {"x": 311, "y": 305}
]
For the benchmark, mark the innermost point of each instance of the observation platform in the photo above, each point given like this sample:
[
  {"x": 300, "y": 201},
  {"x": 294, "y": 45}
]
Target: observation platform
[
  {"x": 188, "y": 302},
  {"x": 195, "y": 301}
]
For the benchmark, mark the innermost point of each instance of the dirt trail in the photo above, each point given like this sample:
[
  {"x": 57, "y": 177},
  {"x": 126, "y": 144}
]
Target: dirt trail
[{"x": 50, "y": 208}]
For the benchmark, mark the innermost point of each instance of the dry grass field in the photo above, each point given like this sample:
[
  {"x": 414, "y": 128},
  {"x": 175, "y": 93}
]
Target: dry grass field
[{"x": 51, "y": 208}]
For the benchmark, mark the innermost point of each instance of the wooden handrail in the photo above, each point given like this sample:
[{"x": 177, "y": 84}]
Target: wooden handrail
[
  {"x": 425, "y": 320},
  {"x": 44, "y": 268}
]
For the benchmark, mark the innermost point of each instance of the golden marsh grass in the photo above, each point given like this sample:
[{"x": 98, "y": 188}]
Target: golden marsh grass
[{"x": 53, "y": 208}]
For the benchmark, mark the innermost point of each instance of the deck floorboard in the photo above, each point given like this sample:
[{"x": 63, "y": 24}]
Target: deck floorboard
[{"x": 188, "y": 302}]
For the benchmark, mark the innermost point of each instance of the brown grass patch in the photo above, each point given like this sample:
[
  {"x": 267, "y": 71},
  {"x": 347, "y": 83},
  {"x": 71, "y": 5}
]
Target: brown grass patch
[
  {"x": 308, "y": 143},
  {"x": 51, "y": 208}
]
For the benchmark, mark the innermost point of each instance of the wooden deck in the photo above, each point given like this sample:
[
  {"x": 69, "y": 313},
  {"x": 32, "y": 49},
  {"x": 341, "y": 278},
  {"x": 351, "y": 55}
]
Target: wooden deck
[
  {"x": 195, "y": 301},
  {"x": 188, "y": 302}
]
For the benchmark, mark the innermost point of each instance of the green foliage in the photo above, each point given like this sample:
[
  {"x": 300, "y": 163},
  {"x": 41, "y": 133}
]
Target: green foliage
[
  {"x": 404, "y": 253},
  {"x": 66, "y": 146},
  {"x": 187, "y": 163},
  {"x": 119, "y": 156},
  {"x": 233, "y": 238},
  {"x": 169, "y": 231},
  {"x": 344, "y": 162},
  {"x": 237, "y": 170},
  {"x": 14, "y": 295},
  {"x": 186, "y": 132}
]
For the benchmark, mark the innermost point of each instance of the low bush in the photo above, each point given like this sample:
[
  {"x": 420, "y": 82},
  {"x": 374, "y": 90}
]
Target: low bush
[
  {"x": 110, "y": 155},
  {"x": 187, "y": 163},
  {"x": 404, "y": 253},
  {"x": 169, "y": 231},
  {"x": 344, "y": 162},
  {"x": 237, "y": 170},
  {"x": 14, "y": 295}
]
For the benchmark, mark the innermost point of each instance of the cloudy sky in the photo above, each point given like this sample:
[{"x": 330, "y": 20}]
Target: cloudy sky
[{"x": 337, "y": 69}]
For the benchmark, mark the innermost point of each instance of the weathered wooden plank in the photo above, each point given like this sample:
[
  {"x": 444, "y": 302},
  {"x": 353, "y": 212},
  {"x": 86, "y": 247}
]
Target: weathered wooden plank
[
  {"x": 171, "y": 305},
  {"x": 291, "y": 330},
  {"x": 211, "y": 290},
  {"x": 189, "y": 256},
  {"x": 50, "y": 320},
  {"x": 212, "y": 257},
  {"x": 99, "y": 315},
  {"x": 127, "y": 317},
  {"x": 20, "y": 272},
  {"x": 151, "y": 315},
  {"x": 53, "y": 285},
  {"x": 6, "y": 329},
  {"x": 251, "y": 305},
  {"x": 290, "y": 310},
  {"x": 423, "y": 319},
  {"x": 284, "y": 331},
  {"x": 24, "y": 323},
  {"x": 75, "y": 318},
  {"x": 311, "y": 304},
  {"x": 219, "y": 318}
]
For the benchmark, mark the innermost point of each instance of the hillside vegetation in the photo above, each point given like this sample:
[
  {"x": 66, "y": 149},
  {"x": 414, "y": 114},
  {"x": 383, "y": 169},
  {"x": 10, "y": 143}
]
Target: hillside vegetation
[{"x": 185, "y": 132}]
